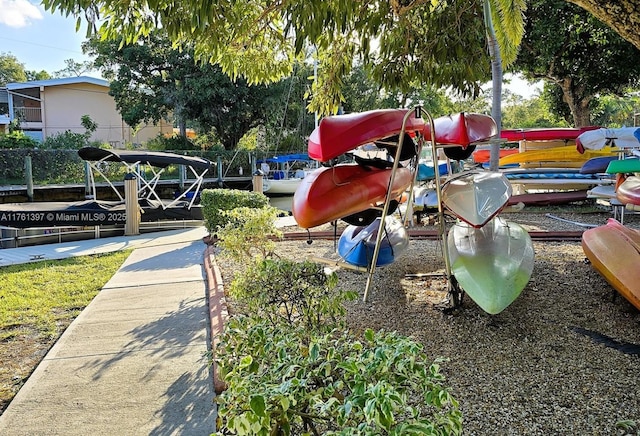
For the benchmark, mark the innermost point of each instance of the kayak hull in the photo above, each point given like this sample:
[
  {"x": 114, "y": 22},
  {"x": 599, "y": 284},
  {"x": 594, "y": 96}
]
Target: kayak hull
[
  {"x": 462, "y": 129},
  {"x": 339, "y": 134},
  {"x": 357, "y": 243},
  {"x": 542, "y": 134},
  {"x": 492, "y": 264},
  {"x": 477, "y": 196},
  {"x": 629, "y": 191},
  {"x": 613, "y": 251},
  {"x": 556, "y": 154},
  {"x": 331, "y": 193}
]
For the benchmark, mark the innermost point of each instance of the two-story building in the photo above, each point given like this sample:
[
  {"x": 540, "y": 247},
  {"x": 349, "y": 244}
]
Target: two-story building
[{"x": 46, "y": 107}]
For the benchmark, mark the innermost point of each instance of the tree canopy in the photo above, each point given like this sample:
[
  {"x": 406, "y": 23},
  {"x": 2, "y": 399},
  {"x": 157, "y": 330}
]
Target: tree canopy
[
  {"x": 151, "y": 80},
  {"x": 11, "y": 70},
  {"x": 573, "y": 50},
  {"x": 403, "y": 44},
  {"x": 623, "y": 16}
]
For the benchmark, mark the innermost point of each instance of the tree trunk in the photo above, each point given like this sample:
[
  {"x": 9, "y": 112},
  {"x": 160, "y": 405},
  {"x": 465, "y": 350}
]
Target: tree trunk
[
  {"x": 578, "y": 105},
  {"x": 496, "y": 76},
  {"x": 182, "y": 125}
]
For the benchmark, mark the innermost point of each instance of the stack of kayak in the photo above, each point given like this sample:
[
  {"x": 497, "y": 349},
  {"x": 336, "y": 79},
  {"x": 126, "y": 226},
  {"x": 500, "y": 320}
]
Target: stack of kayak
[{"x": 491, "y": 259}]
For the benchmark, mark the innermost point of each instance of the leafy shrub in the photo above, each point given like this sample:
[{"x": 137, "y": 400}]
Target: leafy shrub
[
  {"x": 48, "y": 166},
  {"x": 290, "y": 381},
  {"x": 72, "y": 140},
  {"x": 175, "y": 142},
  {"x": 215, "y": 201},
  {"x": 17, "y": 139},
  {"x": 208, "y": 141},
  {"x": 291, "y": 368},
  {"x": 65, "y": 140},
  {"x": 292, "y": 293},
  {"x": 248, "y": 230}
]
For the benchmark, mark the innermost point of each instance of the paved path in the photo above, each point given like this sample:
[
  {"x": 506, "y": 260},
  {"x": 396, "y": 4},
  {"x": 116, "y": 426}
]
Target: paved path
[{"x": 132, "y": 362}]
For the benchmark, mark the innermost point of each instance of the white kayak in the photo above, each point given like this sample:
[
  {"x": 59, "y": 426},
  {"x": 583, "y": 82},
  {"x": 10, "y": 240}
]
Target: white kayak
[
  {"x": 623, "y": 137},
  {"x": 492, "y": 264},
  {"x": 476, "y": 196}
]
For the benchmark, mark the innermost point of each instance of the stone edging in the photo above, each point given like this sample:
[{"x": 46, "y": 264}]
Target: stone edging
[{"x": 217, "y": 308}]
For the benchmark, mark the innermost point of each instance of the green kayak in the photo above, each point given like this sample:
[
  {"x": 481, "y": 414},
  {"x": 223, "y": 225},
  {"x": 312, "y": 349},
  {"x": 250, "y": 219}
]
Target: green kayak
[{"x": 493, "y": 263}]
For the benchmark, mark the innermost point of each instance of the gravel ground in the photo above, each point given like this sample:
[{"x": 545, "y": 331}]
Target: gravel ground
[{"x": 548, "y": 364}]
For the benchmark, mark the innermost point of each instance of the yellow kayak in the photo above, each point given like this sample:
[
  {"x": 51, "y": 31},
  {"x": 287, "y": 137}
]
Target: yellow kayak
[{"x": 567, "y": 153}]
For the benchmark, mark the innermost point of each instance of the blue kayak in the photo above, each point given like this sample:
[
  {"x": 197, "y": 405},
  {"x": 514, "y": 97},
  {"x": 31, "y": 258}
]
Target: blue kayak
[{"x": 357, "y": 243}]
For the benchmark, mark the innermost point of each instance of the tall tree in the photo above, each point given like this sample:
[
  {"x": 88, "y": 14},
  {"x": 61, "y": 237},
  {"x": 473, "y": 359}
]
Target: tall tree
[
  {"x": 623, "y": 16},
  {"x": 11, "y": 70},
  {"x": 150, "y": 80},
  {"x": 73, "y": 68},
  {"x": 435, "y": 43},
  {"x": 571, "y": 49},
  {"x": 37, "y": 75}
]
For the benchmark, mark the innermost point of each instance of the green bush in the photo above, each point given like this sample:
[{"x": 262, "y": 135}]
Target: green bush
[
  {"x": 216, "y": 201},
  {"x": 49, "y": 166},
  {"x": 66, "y": 140},
  {"x": 17, "y": 139},
  {"x": 291, "y": 368},
  {"x": 176, "y": 142},
  {"x": 249, "y": 230},
  {"x": 290, "y": 381},
  {"x": 291, "y": 293}
]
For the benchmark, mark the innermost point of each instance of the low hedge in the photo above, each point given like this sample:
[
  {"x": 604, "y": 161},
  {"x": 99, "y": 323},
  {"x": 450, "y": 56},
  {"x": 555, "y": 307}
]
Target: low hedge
[{"x": 216, "y": 201}]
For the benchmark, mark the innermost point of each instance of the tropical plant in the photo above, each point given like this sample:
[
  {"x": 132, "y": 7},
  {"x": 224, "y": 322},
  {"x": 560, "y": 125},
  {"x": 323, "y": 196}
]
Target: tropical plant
[
  {"x": 73, "y": 140},
  {"x": 216, "y": 201},
  {"x": 579, "y": 55},
  {"x": 17, "y": 139},
  {"x": 290, "y": 380},
  {"x": 248, "y": 230},
  {"x": 442, "y": 44}
]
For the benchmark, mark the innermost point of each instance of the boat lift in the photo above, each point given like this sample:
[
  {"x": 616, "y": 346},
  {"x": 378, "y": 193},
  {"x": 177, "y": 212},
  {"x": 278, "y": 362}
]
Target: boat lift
[{"x": 157, "y": 162}]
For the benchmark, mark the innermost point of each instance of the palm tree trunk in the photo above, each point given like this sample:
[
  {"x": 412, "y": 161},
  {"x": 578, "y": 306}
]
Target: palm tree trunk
[{"x": 496, "y": 77}]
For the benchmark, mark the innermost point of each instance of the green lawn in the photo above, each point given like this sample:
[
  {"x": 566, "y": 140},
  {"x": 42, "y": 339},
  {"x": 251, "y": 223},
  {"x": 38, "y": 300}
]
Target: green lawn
[{"x": 37, "y": 302}]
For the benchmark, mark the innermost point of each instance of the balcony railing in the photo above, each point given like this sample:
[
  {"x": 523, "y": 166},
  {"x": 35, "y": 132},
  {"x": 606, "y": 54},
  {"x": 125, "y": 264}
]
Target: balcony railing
[{"x": 28, "y": 114}]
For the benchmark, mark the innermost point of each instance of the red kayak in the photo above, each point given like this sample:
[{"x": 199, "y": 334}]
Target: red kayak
[
  {"x": 332, "y": 193},
  {"x": 544, "y": 134},
  {"x": 629, "y": 191},
  {"x": 339, "y": 134},
  {"x": 462, "y": 129}
]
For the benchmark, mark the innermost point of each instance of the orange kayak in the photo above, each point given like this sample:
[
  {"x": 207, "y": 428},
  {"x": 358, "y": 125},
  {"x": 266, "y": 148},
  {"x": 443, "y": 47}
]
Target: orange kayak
[
  {"x": 332, "y": 193},
  {"x": 613, "y": 251},
  {"x": 483, "y": 156}
]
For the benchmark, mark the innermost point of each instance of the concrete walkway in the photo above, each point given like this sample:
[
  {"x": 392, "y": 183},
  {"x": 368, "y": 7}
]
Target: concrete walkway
[{"x": 132, "y": 363}]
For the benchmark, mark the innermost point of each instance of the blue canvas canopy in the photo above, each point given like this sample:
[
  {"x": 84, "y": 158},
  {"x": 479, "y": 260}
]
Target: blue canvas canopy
[{"x": 287, "y": 158}]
